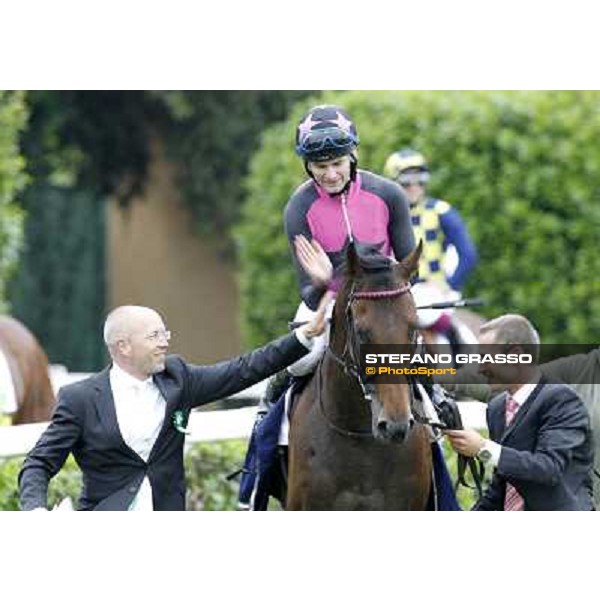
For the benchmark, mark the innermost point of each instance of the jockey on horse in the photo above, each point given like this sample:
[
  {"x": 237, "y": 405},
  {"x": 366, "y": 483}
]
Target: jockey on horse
[
  {"x": 339, "y": 204},
  {"x": 446, "y": 240}
]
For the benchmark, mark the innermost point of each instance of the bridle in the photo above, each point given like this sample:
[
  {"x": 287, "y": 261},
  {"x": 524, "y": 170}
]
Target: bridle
[{"x": 349, "y": 360}]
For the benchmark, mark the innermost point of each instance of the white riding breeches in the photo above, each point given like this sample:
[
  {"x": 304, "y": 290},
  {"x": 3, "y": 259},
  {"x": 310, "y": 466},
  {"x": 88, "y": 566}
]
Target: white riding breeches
[{"x": 307, "y": 363}]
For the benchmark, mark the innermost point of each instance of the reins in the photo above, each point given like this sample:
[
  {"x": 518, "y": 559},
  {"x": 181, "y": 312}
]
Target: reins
[{"x": 330, "y": 423}]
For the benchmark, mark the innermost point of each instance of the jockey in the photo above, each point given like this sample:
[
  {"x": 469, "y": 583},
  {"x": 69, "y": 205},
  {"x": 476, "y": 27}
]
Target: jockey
[
  {"x": 338, "y": 205},
  {"x": 444, "y": 234}
]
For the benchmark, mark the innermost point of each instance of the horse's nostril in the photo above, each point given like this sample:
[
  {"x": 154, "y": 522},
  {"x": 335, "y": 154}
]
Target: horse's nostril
[
  {"x": 382, "y": 426},
  {"x": 400, "y": 434}
]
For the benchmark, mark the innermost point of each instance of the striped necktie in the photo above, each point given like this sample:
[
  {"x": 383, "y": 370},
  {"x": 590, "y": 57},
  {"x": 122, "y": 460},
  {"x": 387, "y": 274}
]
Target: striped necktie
[{"x": 512, "y": 498}]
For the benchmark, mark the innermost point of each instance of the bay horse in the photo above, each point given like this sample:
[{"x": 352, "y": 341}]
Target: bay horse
[
  {"x": 28, "y": 366},
  {"x": 353, "y": 444}
]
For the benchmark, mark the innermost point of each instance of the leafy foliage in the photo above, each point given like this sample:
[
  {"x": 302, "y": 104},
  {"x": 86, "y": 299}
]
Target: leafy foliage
[
  {"x": 206, "y": 467},
  {"x": 13, "y": 115},
  {"x": 81, "y": 147},
  {"x": 523, "y": 168},
  {"x": 91, "y": 140},
  {"x": 210, "y": 137},
  {"x": 84, "y": 147}
]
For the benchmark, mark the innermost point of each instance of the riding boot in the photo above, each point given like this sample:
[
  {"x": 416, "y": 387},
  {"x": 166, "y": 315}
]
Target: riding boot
[
  {"x": 283, "y": 454},
  {"x": 275, "y": 388}
]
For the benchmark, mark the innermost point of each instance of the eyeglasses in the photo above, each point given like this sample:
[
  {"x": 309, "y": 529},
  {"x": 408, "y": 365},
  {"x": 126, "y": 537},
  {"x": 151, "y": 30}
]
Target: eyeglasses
[
  {"x": 413, "y": 184},
  {"x": 408, "y": 179},
  {"x": 318, "y": 139},
  {"x": 158, "y": 335}
]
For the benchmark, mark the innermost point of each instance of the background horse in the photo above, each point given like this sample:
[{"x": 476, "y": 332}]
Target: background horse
[
  {"x": 28, "y": 365},
  {"x": 354, "y": 445}
]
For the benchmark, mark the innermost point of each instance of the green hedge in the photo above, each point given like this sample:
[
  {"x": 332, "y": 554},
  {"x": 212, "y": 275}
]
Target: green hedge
[
  {"x": 13, "y": 115},
  {"x": 207, "y": 466},
  {"x": 522, "y": 167}
]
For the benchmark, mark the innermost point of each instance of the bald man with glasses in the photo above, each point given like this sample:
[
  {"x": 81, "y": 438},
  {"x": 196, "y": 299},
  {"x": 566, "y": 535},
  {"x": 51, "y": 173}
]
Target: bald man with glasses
[{"x": 124, "y": 425}]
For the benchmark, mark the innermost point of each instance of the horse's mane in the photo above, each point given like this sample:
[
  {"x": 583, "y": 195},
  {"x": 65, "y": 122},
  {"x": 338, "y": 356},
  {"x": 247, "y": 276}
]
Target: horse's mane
[
  {"x": 375, "y": 263},
  {"x": 377, "y": 269}
]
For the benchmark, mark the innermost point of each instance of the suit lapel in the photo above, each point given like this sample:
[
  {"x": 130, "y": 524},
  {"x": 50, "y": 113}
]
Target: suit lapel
[
  {"x": 522, "y": 412},
  {"x": 169, "y": 390},
  {"x": 497, "y": 421}
]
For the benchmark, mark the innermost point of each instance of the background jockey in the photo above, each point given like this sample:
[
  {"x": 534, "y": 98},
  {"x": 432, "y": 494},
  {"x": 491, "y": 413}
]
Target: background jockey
[{"x": 445, "y": 236}]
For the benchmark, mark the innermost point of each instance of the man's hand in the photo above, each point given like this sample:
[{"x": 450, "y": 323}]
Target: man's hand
[
  {"x": 316, "y": 326},
  {"x": 314, "y": 260},
  {"x": 465, "y": 441}
]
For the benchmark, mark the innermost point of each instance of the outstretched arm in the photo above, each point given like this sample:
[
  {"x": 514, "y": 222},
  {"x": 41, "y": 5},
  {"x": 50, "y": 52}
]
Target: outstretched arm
[{"x": 208, "y": 383}]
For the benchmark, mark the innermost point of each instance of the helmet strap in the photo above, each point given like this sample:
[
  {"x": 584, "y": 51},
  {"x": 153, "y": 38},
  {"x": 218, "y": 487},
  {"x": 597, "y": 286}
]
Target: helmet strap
[
  {"x": 353, "y": 166},
  {"x": 308, "y": 171}
]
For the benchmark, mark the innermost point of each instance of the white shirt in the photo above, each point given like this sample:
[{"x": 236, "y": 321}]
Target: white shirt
[
  {"x": 140, "y": 409},
  {"x": 520, "y": 397}
]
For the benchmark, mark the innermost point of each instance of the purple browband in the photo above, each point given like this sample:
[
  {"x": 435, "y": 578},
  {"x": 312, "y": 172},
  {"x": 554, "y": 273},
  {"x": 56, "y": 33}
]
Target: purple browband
[{"x": 377, "y": 294}]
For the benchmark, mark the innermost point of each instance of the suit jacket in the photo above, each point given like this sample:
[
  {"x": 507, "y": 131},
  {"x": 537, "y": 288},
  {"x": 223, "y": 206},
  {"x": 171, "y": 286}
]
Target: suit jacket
[
  {"x": 547, "y": 451},
  {"x": 85, "y": 423}
]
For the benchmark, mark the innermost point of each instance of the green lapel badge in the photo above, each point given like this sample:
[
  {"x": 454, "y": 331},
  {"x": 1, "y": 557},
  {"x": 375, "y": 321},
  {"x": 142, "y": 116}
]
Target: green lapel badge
[{"x": 180, "y": 420}]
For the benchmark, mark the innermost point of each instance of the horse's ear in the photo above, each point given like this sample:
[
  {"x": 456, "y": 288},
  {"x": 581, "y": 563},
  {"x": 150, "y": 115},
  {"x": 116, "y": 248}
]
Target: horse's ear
[
  {"x": 410, "y": 265},
  {"x": 352, "y": 260}
]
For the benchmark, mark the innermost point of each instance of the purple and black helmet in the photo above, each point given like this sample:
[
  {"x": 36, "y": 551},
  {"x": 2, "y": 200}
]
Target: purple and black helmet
[{"x": 324, "y": 133}]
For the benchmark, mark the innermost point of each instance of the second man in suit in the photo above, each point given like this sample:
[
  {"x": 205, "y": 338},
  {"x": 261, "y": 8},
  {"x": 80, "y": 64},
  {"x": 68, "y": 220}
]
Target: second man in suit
[{"x": 540, "y": 438}]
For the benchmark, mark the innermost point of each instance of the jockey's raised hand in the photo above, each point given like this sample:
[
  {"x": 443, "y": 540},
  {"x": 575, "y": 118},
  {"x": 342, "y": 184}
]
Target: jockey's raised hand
[{"x": 314, "y": 260}]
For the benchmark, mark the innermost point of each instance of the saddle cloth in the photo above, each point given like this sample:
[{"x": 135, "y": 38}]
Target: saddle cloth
[{"x": 8, "y": 395}]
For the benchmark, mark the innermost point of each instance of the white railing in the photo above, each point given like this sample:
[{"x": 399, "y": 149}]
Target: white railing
[{"x": 203, "y": 425}]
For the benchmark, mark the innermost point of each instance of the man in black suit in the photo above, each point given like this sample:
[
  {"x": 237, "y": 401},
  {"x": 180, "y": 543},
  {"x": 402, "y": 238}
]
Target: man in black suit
[
  {"x": 124, "y": 425},
  {"x": 540, "y": 438}
]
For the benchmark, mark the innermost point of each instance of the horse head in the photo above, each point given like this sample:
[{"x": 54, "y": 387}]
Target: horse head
[{"x": 375, "y": 306}]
